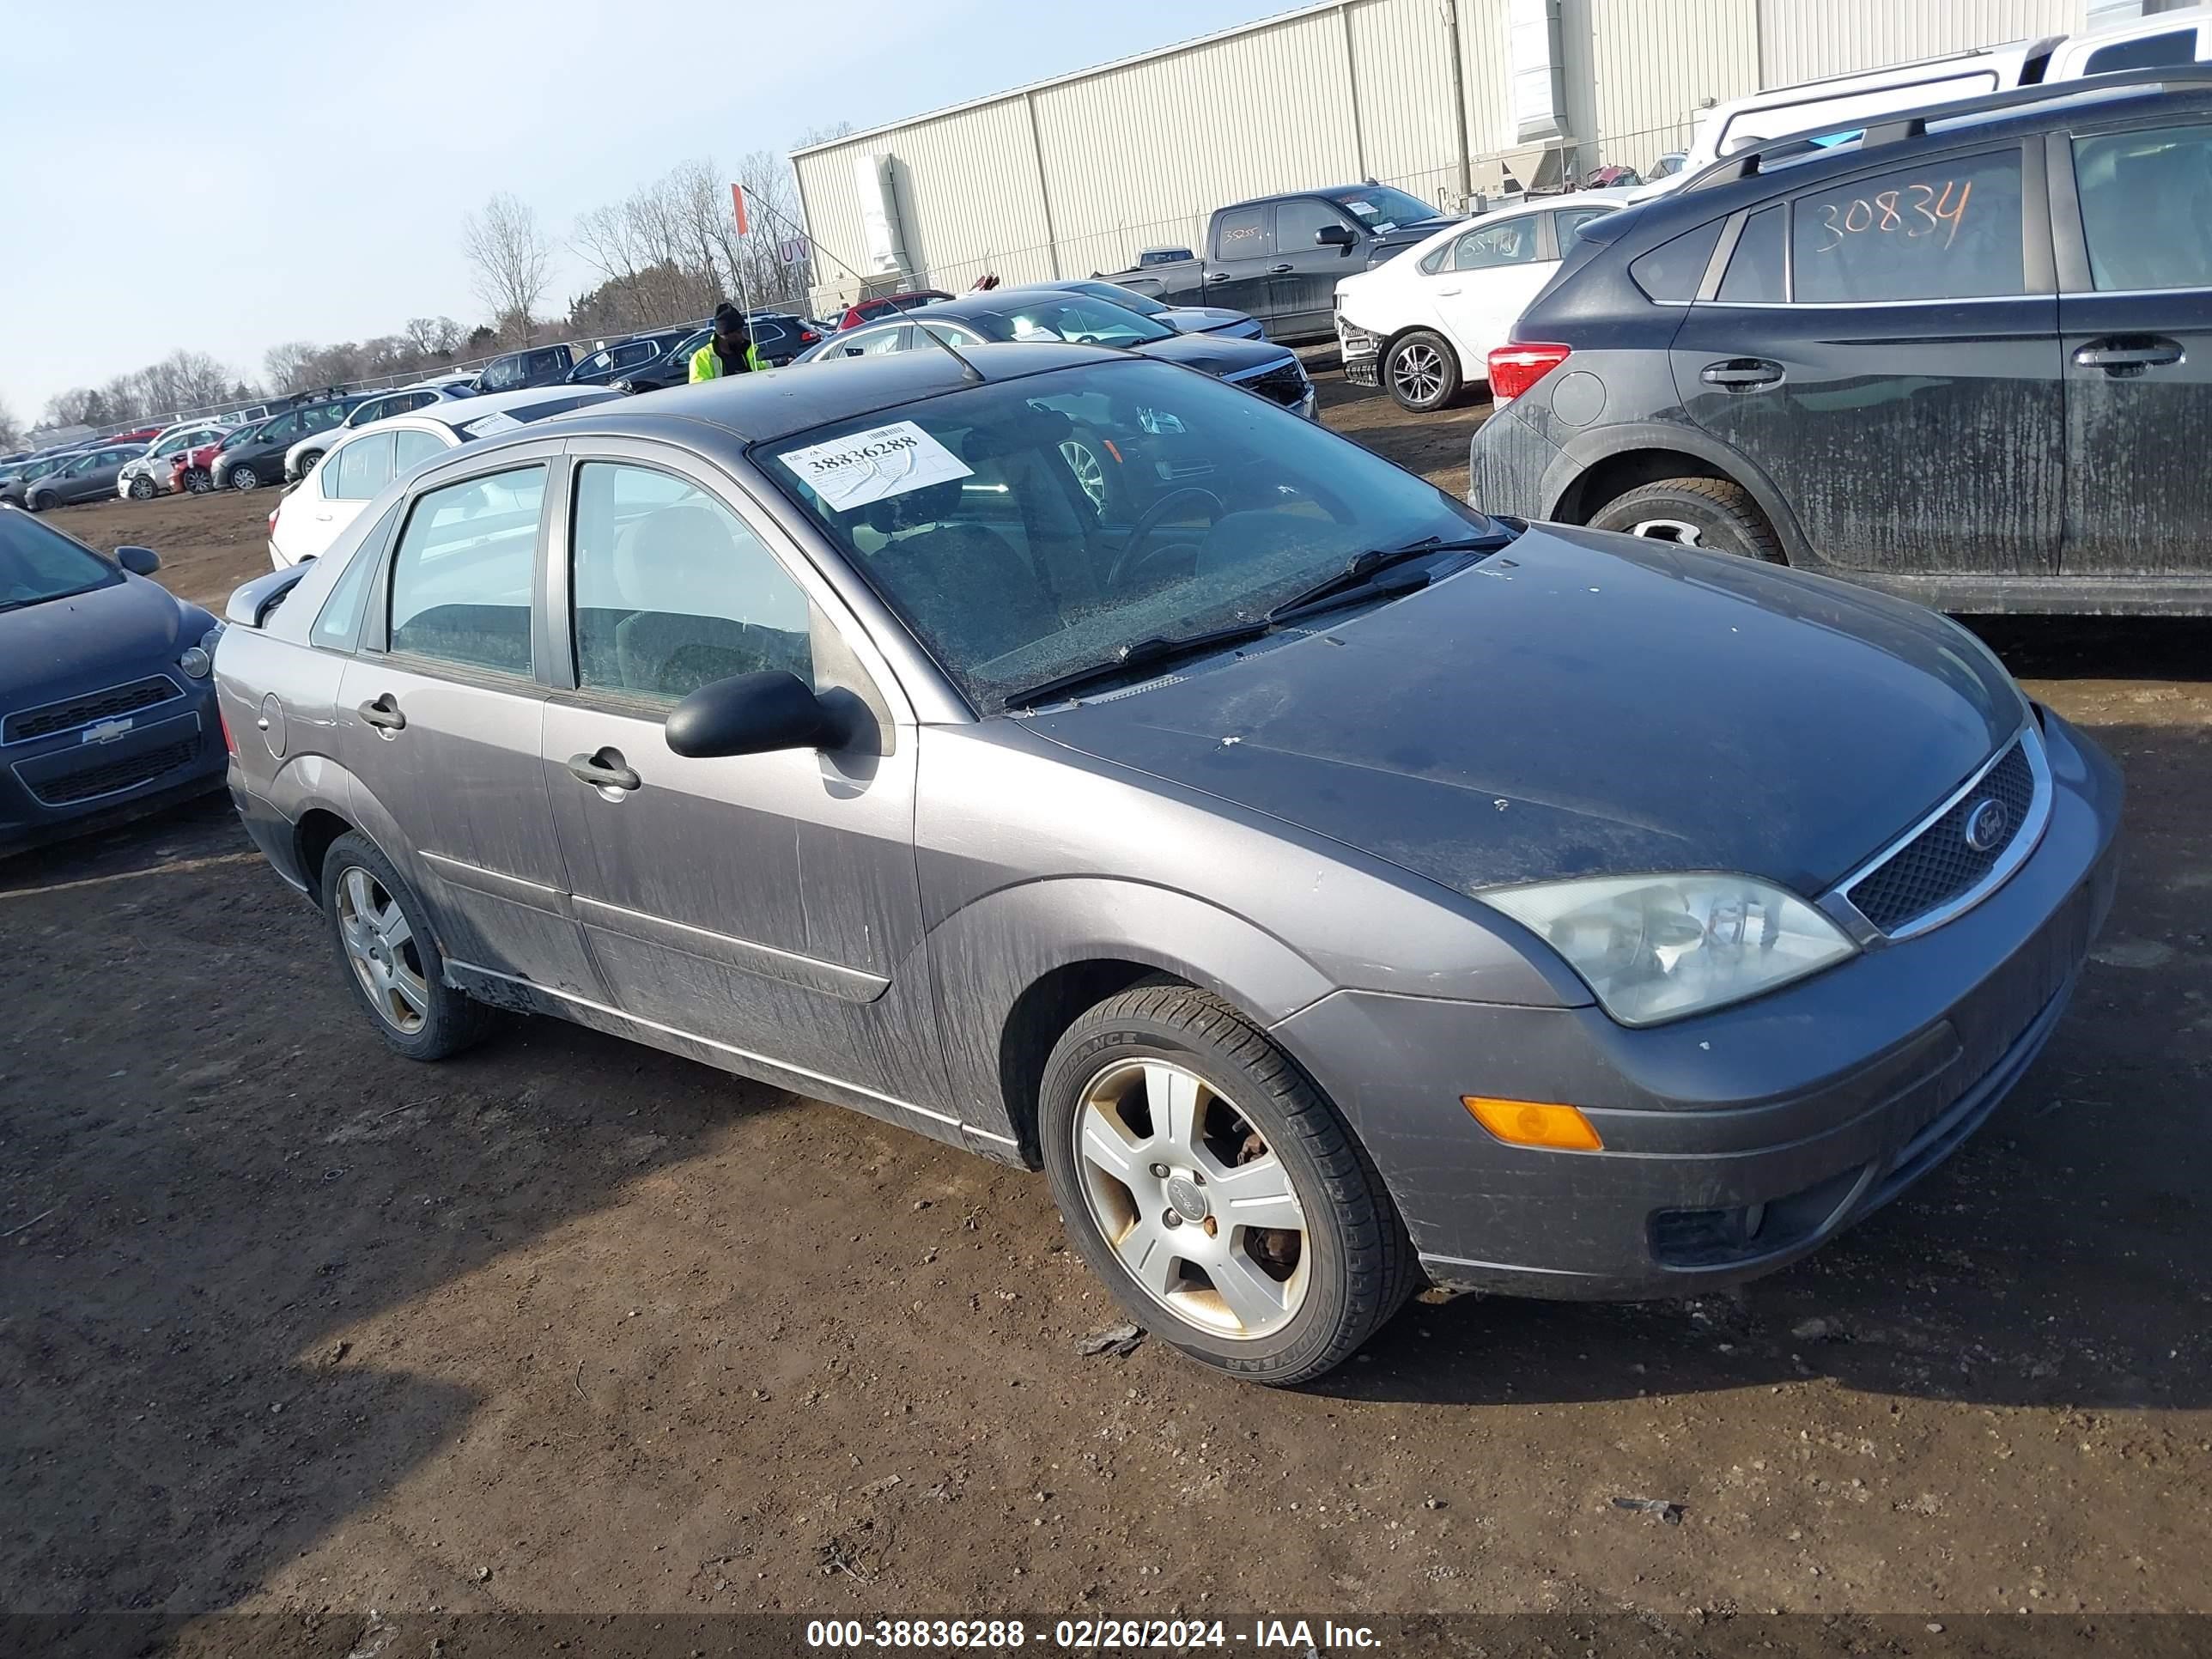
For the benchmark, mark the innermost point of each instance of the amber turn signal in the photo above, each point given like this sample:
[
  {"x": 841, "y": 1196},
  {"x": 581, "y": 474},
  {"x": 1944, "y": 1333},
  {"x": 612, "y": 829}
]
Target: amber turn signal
[{"x": 1534, "y": 1123}]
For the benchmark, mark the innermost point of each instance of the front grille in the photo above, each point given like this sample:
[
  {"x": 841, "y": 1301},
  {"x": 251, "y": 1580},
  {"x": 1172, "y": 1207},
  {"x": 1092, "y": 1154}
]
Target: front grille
[
  {"x": 1938, "y": 864},
  {"x": 52, "y": 717},
  {"x": 116, "y": 776},
  {"x": 1285, "y": 386}
]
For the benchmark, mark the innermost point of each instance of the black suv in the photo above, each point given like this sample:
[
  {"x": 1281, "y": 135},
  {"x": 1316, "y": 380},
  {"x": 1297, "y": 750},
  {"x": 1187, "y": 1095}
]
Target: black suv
[{"x": 1964, "y": 355}]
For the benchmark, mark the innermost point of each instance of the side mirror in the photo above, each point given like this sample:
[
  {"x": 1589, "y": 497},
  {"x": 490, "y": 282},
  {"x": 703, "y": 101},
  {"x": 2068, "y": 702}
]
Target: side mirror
[
  {"x": 138, "y": 560},
  {"x": 749, "y": 714},
  {"x": 1334, "y": 236}
]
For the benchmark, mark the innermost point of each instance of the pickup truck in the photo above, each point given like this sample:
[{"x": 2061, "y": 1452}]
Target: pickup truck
[{"x": 1279, "y": 258}]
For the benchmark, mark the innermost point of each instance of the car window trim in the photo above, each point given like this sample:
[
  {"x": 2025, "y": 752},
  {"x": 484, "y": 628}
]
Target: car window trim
[
  {"x": 824, "y": 598},
  {"x": 375, "y": 637}
]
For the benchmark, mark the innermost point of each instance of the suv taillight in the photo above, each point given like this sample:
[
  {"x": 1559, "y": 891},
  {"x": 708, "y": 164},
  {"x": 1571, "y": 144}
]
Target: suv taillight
[
  {"x": 807, "y": 336},
  {"x": 1515, "y": 368}
]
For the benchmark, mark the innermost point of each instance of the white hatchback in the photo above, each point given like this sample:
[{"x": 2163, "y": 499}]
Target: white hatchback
[
  {"x": 360, "y": 462},
  {"x": 1423, "y": 324}
]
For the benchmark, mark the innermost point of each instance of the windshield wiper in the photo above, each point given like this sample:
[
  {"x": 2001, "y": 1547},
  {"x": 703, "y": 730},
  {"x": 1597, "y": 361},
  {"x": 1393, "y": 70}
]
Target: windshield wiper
[
  {"x": 1356, "y": 580},
  {"x": 1149, "y": 652},
  {"x": 1359, "y": 571}
]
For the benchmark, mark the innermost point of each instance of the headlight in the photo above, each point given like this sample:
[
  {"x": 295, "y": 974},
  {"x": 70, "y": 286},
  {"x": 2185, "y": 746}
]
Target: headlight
[
  {"x": 1654, "y": 948},
  {"x": 198, "y": 661}
]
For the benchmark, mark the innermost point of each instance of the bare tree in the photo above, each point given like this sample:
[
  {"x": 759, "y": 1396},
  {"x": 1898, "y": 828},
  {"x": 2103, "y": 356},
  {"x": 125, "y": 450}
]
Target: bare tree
[
  {"x": 512, "y": 259},
  {"x": 11, "y": 434},
  {"x": 434, "y": 336},
  {"x": 286, "y": 365}
]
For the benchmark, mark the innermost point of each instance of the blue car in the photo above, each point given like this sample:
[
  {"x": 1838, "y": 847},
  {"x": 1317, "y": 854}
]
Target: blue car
[{"x": 107, "y": 711}]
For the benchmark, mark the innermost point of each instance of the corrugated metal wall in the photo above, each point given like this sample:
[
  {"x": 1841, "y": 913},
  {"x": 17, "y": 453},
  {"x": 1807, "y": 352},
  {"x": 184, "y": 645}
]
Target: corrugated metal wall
[
  {"x": 1801, "y": 40},
  {"x": 1655, "y": 61},
  {"x": 1076, "y": 175}
]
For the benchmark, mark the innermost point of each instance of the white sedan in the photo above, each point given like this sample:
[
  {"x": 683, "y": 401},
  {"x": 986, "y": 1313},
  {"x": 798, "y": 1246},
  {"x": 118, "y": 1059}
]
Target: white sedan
[
  {"x": 1424, "y": 324},
  {"x": 360, "y": 461}
]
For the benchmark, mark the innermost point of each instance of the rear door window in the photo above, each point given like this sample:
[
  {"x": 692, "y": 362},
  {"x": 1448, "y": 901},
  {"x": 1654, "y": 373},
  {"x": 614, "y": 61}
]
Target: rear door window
[
  {"x": 2146, "y": 207},
  {"x": 1758, "y": 271},
  {"x": 358, "y": 469},
  {"x": 461, "y": 580},
  {"x": 1245, "y": 233},
  {"x": 1946, "y": 228},
  {"x": 412, "y": 448}
]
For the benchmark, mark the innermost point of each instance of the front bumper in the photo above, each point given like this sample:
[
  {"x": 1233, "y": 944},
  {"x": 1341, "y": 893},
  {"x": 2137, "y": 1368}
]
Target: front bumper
[
  {"x": 1735, "y": 1142},
  {"x": 1362, "y": 353},
  {"x": 56, "y": 785}
]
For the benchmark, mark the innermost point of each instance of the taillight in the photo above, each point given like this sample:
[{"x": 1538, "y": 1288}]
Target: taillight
[
  {"x": 273, "y": 512},
  {"x": 1515, "y": 368},
  {"x": 807, "y": 336}
]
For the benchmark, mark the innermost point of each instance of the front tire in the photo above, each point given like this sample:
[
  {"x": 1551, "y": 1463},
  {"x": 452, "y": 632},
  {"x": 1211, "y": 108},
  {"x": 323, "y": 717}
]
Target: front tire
[
  {"x": 197, "y": 481},
  {"x": 307, "y": 464},
  {"x": 1422, "y": 371},
  {"x": 1713, "y": 513},
  {"x": 1216, "y": 1190},
  {"x": 390, "y": 958},
  {"x": 245, "y": 477},
  {"x": 38, "y": 501}
]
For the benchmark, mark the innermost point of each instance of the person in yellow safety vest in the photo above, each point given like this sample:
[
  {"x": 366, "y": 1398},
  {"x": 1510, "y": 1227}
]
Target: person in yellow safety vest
[{"x": 730, "y": 352}]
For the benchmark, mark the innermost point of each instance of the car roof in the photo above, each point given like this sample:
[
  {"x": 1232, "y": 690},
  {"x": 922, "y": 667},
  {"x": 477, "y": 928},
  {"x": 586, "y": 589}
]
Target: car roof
[
  {"x": 778, "y": 402},
  {"x": 456, "y": 413}
]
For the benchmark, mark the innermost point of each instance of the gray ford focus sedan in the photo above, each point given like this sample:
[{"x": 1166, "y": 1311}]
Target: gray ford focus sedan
[{"x": 1330, "y": 888}]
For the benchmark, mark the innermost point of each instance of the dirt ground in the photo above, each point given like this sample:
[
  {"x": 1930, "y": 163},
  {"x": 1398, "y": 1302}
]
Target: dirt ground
[{"x": 289, "y": 1325}]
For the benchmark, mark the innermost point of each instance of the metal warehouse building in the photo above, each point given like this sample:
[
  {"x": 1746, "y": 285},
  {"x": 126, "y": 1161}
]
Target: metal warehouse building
[{"x": 1442, "y": 98}]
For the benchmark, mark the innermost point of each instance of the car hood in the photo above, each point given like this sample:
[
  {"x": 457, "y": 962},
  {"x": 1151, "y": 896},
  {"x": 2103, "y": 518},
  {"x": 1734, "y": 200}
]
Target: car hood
[
  {"x": 1216, "y": 354},
  {"x": 1581, "y": 704},
  {"x": 65, "y": 646}
]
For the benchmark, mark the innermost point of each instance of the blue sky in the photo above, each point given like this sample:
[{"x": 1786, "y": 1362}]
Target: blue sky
[{"x": 169, "y": 182}]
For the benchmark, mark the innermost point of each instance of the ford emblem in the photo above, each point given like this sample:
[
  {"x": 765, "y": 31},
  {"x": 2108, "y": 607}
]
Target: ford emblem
[{"x": 1986, "y": 825}]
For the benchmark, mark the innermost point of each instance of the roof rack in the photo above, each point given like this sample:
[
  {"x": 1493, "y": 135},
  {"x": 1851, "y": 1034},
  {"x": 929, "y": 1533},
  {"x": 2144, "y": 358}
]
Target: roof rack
[{"x": 1898, "y": 128}]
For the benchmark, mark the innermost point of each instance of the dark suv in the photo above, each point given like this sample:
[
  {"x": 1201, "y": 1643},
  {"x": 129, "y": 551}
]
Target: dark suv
[{"x": 1963, "y": 356}]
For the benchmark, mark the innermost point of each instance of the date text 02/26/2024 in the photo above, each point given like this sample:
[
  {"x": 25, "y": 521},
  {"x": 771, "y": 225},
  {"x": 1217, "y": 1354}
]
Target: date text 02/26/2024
[{"x": 1093, "y": 1634}]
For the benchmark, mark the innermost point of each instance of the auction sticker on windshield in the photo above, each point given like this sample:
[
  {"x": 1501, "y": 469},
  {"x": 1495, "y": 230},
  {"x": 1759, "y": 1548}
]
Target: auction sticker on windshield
[{"x": 873, "y": 465}]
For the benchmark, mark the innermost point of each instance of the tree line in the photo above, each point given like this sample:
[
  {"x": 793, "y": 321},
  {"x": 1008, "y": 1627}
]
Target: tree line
[{"x": 667, "y": 253}]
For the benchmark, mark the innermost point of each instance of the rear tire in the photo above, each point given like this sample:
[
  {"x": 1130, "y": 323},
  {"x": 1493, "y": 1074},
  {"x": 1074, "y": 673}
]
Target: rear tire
[
  {"x": 1712, "y": 514},
  {"x": 142, "y": 487},
  {"x": 1421, "y": 369},
  {"x": 1169, "y": 1077},
  {"x": 390, "y": 956},
  {"x": 197, "y": 481},
  {"x": 307, "y": 463}
]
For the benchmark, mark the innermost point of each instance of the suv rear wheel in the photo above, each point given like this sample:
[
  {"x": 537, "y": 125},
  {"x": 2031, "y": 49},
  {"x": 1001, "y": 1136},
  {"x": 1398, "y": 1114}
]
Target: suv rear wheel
[
  {"x": 1216, "y": 1190},
  {"x": 1712, "y": 514}
]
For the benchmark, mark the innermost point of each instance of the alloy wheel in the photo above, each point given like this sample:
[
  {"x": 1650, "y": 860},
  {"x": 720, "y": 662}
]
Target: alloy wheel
[
  {"x": 1191, "y": 1199},
  {"x": 1417, "y": 374},
  {"x": 1681, "y": 532},
  {"x": 379, "y": 944},
  {"x": 244, "y": 478},
  {"x": 142, "y": 488},
  {"x": 1089, "y": 473}
]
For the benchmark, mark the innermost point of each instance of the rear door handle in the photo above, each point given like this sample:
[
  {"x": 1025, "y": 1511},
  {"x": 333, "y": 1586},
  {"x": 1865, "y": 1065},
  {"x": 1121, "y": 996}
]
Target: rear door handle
[
  {"x": 1216, "y": 276},
  {"x": 603, "y": 770},
  {"x": 1447, "y": 293},
  {"x": 1742, "y": 374},
  {"x": 1279, "y": 271},
  {"x": 2123, "y": 356},
  {"x": 384, "y": 713}
]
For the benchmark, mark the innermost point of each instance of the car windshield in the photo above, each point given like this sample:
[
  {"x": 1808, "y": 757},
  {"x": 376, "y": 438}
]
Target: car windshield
[
  {"x": 37, "y": 564},
  {"x": 1077, "y": 319},
  {"x": 1028, "y": 529},
  {"x": 244, "y": 434},
  {"x": 1380, "y": 208}
]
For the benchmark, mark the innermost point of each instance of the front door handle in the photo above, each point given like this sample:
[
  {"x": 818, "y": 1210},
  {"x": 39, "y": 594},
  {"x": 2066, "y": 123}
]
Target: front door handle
[
  {"x": 1216, "y": 276},
  {"x": 2125, "y": 356},
  {"x": 1742, "y": 374},
  {"x": 384, "y": 713},
  {"x": 1279, "y": 271},
  {"x": 604, "y": 770}
]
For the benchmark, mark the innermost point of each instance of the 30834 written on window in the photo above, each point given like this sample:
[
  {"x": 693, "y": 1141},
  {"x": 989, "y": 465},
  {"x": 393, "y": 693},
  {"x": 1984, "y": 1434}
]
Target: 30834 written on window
[{"x": 1946, "y": 229}]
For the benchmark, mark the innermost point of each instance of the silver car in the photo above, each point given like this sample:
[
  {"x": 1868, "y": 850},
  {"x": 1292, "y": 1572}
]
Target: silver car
[{"x": 1327, "y": 886}]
